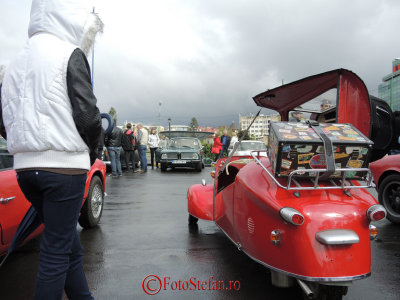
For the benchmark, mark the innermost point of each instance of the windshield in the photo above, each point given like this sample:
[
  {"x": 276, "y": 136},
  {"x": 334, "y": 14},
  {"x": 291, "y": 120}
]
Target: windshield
[
  {"x": 251, "y": 146},
  {"x": 184, "y": 143}
]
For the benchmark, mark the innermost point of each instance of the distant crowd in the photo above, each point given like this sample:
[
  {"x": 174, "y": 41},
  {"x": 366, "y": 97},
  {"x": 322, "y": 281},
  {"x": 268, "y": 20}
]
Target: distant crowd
[{"x": 130, "y": 138}]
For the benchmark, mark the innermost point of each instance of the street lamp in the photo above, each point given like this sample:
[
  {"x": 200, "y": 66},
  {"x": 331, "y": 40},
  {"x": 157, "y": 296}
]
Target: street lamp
[
  {"x": 159, "y": 115},
  {"x": 169, "y": 127}
]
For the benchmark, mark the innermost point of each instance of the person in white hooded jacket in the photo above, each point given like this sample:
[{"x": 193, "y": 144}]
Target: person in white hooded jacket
[{"x": 48, "y": 115}]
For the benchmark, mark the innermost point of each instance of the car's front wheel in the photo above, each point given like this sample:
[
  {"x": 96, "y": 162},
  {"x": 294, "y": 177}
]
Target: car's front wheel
[
  {"x": 389, "y": 197},
  {"x": 93, "y": 207},
  {"x": 163, "y": 167},
  {"x": 198, "y": 167}
]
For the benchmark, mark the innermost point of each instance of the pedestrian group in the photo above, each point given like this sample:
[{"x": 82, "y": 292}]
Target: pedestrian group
[{"x": 131, "y": 141}]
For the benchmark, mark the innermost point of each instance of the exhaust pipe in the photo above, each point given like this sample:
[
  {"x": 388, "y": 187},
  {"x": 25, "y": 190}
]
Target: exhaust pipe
[{"x": 306, "y": 289}]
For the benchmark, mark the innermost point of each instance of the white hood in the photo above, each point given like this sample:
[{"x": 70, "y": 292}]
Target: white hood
[{"x": 69, "y": 20}]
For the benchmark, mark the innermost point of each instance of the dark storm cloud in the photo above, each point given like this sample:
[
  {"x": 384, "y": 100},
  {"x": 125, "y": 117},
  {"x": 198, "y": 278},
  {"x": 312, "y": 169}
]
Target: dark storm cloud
[{"x": 206, "y": 59}]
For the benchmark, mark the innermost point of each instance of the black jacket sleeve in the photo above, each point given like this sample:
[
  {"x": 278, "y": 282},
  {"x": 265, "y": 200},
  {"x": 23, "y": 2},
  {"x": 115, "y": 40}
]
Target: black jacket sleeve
[
  {"x": 2, "y": 128},
  {"x": 84, "y": 110}
]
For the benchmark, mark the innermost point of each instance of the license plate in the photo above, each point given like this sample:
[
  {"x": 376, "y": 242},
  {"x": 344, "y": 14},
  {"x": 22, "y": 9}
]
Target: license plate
[{"x": 179, "y": 161}]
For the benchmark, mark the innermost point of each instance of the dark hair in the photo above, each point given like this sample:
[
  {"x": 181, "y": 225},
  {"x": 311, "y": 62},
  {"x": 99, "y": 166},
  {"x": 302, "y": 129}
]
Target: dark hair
[{"x": 129, "y": 125}]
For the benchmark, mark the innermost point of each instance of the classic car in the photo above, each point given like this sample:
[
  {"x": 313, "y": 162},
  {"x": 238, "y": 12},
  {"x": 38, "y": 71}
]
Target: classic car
[
  {"x": 245, "y": 147},
  {"x": 314, "y": 230},
  {"x": 181, "y": 152},
  {"x": 386, "y": 173},
  {"x": 13, "y": 204},
  {"x": 181, "y": 149}
]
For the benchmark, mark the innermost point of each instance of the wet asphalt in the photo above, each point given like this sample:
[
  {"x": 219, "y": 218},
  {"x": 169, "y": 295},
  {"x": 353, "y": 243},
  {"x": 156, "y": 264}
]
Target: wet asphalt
[{"x": 144, "y": 233}]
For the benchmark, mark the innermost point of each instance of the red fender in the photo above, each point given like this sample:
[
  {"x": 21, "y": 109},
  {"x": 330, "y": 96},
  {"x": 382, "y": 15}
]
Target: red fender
[{"x": 200, "y": 201}]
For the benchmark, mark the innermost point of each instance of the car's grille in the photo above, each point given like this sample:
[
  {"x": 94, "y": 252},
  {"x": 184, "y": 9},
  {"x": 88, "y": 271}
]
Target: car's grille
[
  {"x": 172, "y": 155},
  {"x": 189, "y": 155}
]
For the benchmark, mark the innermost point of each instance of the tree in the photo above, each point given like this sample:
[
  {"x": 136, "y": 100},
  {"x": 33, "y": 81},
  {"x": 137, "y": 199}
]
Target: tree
[
  {"x": 194, "y": 124},
  {"x": 233, "y": 126},
  {"x": 242, "y": 132},
  {"x": 113, "y": 113}
]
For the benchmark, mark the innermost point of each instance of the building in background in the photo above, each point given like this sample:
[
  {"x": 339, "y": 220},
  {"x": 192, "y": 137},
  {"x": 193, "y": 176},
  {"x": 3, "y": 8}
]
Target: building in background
[
  {"x": 260, "y": 127},
  {"x": 389, "y": 89}
]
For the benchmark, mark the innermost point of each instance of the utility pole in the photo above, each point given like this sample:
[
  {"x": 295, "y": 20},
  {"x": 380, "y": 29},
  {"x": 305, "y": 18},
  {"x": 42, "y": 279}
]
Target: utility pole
[{"x": 159, "y": 117}]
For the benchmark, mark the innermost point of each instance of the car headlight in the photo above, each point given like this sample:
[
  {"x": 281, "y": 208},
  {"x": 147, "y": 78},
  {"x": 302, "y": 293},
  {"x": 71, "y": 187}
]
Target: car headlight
[
  {"x": 195, "y": 156},
  {"x": 164, "y": 156}
]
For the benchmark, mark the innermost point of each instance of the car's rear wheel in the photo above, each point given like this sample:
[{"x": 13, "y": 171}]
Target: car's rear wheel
[
  {"x": 92, "y": 209},
  {"x": 389, "y": 197}
]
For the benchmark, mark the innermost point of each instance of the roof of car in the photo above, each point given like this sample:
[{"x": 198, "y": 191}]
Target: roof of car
[{"x": 193, "y": 134}]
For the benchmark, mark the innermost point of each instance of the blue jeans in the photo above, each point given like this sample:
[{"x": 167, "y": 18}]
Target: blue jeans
[
  {"x": 130, "y": 156},
  {"x": 57, "y": 198},
  {"x": 115, "y": 159},
  {"x": 142, "y": 156}
]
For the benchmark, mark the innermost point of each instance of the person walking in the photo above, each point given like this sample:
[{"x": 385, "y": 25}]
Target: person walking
[
  {"x": 226, "y": 141},
  {"x": 113, "y": 143},
  {"x": 128, "y": 144},
  {"x": 47, "y": 88},
  {"x": 142, "y": 138},
  {"x": 217, "y": 147},
  {"x": 154, "y": 141}
]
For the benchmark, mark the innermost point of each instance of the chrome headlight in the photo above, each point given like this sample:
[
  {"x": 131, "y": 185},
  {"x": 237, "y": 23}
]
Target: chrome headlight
[
  {"x": 164, "y": 156},
  {"x": 195, "y": 156}
]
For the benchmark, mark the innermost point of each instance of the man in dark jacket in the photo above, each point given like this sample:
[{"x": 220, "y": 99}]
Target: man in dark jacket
[
  {"x": 128, "y": 141},
  {"x": 113, "y": 143},
  {"x": 226, "y": 141}
]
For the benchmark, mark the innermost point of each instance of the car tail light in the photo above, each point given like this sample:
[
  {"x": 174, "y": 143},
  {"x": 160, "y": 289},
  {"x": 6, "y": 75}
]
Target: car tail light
[
  {"x": 292, "y": 216},
  {"x": 373, "y": 232},
  {"x": 275, "y": 237},
  {"x": 376, "y": 212},
  {"x": 212, "y": 173}
]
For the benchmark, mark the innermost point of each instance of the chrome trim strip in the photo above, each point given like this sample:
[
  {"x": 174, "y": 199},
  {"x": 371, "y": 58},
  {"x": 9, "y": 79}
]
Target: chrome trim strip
[
  {"x": 337, "y": 237},
  {"x": 315, "y": 279}
]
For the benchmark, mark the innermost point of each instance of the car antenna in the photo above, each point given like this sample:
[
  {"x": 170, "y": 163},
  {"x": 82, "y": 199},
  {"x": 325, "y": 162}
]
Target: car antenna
[{"x": 238, "y": 143}]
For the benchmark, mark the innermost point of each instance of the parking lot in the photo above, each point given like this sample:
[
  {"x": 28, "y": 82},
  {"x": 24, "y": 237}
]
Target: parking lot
[{"x": 144, "y": 238}]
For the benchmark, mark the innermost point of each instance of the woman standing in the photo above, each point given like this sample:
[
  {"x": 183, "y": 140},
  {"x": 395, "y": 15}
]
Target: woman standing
[
  {"x": 217, "y": 147},
  {"x": 154, "y": 140},
  {"x": 234, "y": 139}
]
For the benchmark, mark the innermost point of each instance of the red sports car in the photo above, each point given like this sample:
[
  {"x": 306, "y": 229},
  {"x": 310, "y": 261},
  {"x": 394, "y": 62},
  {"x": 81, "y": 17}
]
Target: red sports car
[
  {"x": 13, "y": 204},
  {"x": 386, "y": 173}
]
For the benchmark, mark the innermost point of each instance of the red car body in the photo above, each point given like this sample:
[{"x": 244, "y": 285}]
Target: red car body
[
  {"x": 247, "y": 203},
  {"x": 386, "y": 173},
  {"x": 13, "y": 204},
  {"x": 384, "y": 167}
]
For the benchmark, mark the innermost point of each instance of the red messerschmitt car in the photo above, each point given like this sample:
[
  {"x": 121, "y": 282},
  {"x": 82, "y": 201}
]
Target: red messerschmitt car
[{"x": 304, "y": 211}]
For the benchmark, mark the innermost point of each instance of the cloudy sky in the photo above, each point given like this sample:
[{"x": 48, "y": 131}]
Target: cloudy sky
[{"x": 208, "y": 58}]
